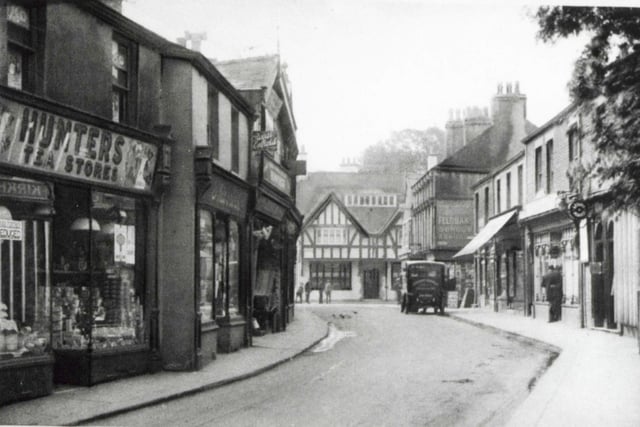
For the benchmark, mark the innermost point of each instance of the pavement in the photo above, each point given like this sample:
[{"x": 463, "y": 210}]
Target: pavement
[{"x": 594, "y": 381}]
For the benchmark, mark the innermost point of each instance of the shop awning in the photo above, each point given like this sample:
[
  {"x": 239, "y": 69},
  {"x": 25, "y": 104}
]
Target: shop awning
[{"x": 489, "y": 230}]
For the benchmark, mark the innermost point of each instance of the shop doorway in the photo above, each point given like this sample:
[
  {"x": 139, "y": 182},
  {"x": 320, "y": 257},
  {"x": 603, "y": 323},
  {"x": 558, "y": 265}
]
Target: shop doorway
[
  {"x": 602, "y": 276},
  {"x": 371, "y": 283}
]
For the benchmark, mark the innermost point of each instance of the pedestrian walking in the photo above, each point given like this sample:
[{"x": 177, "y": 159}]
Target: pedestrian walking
[
  {"x": 552, "y": 282},
  {"x": 307, "y": 291},
  {"x": 320, "y": 292},
  {"x": 299, "y": 293},
  {"x": 327, "y": 292}
]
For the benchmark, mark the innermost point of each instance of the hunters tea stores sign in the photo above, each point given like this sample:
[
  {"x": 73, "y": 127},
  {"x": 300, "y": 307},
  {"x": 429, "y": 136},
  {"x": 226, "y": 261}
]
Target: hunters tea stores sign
[{"x": 37, "y": 140}]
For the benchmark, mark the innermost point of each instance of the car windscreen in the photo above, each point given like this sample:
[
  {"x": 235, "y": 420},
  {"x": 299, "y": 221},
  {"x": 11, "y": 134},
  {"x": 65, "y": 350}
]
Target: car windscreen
[{"x": 424, "y": 271}]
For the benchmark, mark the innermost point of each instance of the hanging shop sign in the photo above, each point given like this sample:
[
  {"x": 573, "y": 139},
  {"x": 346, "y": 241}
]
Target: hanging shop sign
[
  {"x": 37, "y": 140},
  {"x": 266, "y": 140},
  {"x": 275, "y": 175},
  {"x": 226, "y": 197}
]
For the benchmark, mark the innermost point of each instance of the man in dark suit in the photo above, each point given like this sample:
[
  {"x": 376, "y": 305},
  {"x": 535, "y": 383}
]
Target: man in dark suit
[{"x": 552, "y": 282}]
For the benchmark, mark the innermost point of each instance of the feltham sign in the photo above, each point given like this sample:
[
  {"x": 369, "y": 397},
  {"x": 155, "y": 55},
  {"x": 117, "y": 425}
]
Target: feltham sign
[{"x": 38, "y": 140}]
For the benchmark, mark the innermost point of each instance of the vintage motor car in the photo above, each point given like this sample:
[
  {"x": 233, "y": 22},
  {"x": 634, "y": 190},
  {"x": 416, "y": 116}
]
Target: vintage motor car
[{"x": 423, "y": 286}]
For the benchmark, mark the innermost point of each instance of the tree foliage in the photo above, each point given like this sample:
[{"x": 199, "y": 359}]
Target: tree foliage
[
  {"x": 404, "y": 151},
  {"x": 606, "y": 87}
]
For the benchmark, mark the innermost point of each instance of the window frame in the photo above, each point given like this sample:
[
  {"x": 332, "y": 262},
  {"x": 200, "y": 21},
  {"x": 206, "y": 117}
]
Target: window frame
[
  {"x": 538, "y": 168},
  {"x": 129, "y": 115}
]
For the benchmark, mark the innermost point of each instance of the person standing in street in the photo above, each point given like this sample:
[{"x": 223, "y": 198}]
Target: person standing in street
[
  {"x": 552, "y": 282},
  {"x": 299, "y": 293},
  {"x": 307, "y": 291},
  {"x": 327, "y": 292}
]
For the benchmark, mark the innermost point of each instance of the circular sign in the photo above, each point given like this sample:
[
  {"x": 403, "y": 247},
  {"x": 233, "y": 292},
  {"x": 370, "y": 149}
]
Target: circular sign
[{"x": 578, "y": 210}]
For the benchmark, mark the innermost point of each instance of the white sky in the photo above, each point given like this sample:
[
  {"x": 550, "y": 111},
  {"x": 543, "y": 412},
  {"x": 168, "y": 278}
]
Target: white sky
[{"x": 360, "y": 69}]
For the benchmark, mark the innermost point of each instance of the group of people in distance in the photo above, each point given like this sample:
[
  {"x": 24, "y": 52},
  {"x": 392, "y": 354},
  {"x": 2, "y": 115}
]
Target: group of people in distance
[{"x": 306, "y": 289}]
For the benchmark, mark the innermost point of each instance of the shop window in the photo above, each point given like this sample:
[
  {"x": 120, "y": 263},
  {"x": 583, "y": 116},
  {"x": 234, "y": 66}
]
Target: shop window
[
  {"x": 206, "y": 265},
  {"x": 123, "y": 63},
  {"x": 98, "y": 292},
  {"x": 338, "y": 273},
  {"x": 25, "y": 280},
  {"x": 226, "y": 267}
]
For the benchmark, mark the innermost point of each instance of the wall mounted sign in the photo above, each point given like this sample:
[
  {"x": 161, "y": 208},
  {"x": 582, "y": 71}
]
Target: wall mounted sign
[
  {"x": 275, "y": 175},
  {"x": 10, "y": 230},
  {"x": 37, "y": 140},
  {"x": 226, "y": 197},
  {"x": 270, "y": 208},
  {"x": 24, "y": 190},
  {"x": 454, "y": 223}
]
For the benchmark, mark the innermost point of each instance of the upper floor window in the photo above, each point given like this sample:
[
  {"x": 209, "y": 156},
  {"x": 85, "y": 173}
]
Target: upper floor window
[
  {"x": 235, "y": 140},
  {"x": 575, "y": 149},
  {"x": 477, "y": 210},
  {"x": 549, "y": 183},
  {"x": 20, "y": 48},
  {"x": 538, "y": 170},
  {"x": 498, "y": 197},
  {"x": 520, "y": 184},
  {"x": 123, "y": 78},
  {"x": 213, "y": 123},
  {"x": 331, "y": 236},
  {"x": 508, "y": 189},
  {"x": 486, "y": 203}
]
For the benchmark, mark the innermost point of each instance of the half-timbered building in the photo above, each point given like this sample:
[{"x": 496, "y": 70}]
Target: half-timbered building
[{"x": 352, "y": 233}]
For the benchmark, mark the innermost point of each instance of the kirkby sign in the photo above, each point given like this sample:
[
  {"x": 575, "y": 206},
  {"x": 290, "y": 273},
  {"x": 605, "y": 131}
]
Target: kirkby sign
[{"x": 37, "y": 140}]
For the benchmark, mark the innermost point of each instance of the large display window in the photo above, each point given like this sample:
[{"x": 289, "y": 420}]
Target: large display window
[
  {"x": 25, "y": 281},
  {"x": 226, "y": 268},
  {"x": 98, "y": 294}
]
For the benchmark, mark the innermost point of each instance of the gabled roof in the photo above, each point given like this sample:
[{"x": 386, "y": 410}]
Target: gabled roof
[
  {"x": 331, "y": 197},
  {"x": 318, "y": 184},
  {"x": 484, "y": 152},
  {"x": 250, "y": 73},
  {"x": 313, "y": 190}
]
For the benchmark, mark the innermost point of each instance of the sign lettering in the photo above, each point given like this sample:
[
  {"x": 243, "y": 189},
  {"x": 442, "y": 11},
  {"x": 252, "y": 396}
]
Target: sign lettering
[
  {"x": 454, "y": 224},
  {"x": 10, "y": 230},
  {"x": 276, "y": 176},
  {"x": 37, "y": 140}
]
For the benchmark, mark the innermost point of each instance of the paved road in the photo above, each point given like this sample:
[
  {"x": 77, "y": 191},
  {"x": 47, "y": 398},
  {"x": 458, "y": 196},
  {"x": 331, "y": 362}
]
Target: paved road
[{"x": 378, "y": 367}]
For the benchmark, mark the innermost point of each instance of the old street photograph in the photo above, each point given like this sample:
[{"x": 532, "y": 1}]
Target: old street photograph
[{"x": 319, "y": 213}]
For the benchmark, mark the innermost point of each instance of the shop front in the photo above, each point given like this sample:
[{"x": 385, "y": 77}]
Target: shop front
[
  {"x": 552, "y": 248},
  {"x": 223, "y": 276},
  {"x": 76, "y": 210},
  {"x": 498, "y": 262}
]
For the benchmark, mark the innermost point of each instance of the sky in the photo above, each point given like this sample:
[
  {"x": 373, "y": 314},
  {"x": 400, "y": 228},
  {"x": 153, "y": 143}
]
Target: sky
[{"x": 361, "y": 69}]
